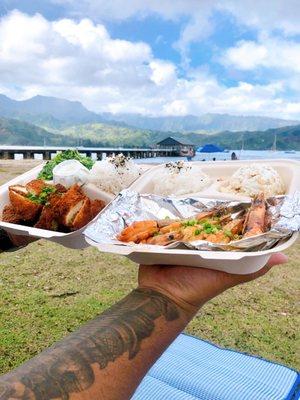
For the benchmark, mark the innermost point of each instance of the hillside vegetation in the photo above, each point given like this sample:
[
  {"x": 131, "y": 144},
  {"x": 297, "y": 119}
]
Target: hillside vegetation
[
  {"x": 15, "y": 132},
  {"x": 288, "y": 138}
]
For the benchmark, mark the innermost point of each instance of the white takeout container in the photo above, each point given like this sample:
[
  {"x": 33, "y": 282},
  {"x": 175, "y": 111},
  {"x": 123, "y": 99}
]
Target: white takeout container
[
  {"x": 74, "y": 240},
  {"x": 233, "y": 262},
  {"x": 229, "y": 261},
  {"x": 218, "y": 171}
]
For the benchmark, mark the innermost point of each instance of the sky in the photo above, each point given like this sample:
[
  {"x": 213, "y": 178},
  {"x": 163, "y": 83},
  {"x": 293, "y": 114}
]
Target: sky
[{"x": 155, "y": 57}]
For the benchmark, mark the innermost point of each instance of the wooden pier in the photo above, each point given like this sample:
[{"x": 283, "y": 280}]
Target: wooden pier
[{"x": 47, "y": 152}]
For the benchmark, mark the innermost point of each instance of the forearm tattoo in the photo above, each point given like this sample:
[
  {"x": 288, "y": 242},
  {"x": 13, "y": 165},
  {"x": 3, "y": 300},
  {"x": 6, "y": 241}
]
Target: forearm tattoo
[{"x": 66, "y": 367}]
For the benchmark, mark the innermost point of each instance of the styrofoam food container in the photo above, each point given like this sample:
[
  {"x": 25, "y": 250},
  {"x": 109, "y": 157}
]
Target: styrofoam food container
[
  {"x": 218, "y": 171},
  {"x": 229, "y": 261},
  {"x": 233, "y": 262},
  {"x": 74, "y": 240}
]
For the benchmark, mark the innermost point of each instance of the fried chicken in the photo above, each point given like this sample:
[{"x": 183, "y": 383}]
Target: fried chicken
[
  {"x": 9, "y": 214},
  {"x": 53, "y": 206},
  {"x": 22, "y": 205}
]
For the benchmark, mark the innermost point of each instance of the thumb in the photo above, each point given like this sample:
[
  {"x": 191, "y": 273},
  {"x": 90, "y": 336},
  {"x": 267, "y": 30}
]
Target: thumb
[{"x": 275, "y": 259}]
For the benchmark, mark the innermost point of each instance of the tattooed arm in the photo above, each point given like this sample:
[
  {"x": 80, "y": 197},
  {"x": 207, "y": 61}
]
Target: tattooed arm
[{"x": 107, "y": 358}]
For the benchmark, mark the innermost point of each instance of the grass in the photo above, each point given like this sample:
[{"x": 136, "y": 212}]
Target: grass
[{"x": 47, "y": 291}]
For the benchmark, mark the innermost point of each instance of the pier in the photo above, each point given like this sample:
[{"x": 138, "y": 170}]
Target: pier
[{"x": 97, "y": 153}]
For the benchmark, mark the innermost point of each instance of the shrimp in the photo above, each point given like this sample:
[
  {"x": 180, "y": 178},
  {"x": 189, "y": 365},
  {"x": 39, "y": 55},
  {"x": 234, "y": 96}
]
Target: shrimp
[
  {"x": 255, "y": 222},
  {"x": 235, "y": 226},
  {"x": 165, "y": 239},
  {"x": 138, "y": 231},
  {"x": 171, "y": 227}
]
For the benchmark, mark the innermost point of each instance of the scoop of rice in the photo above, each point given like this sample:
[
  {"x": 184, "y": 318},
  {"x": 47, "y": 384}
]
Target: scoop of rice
[
  {"x": 114, "y": 173},
  {"x": 254, "y": 179},
  {"x": 178, "y": 179}
]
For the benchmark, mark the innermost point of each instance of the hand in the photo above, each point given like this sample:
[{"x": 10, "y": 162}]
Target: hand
[
  {"x": 21, "y": 241},
  {"x": 191, "y": 287}
]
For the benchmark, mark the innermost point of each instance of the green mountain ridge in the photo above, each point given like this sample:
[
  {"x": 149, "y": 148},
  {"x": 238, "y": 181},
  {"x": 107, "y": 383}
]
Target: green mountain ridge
[
  {"x": 16, "y": 132},
  {"x": 54, "y": 113}
]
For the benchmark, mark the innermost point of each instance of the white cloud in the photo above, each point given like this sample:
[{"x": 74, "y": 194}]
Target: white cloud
[
  {"x": 268, "y": 53},
  {"x": 162, "y": 72},
  {"x": 79, "y": 60},
  {"x": 266, "y": 15},
  {"x": 262, "y": 15}
]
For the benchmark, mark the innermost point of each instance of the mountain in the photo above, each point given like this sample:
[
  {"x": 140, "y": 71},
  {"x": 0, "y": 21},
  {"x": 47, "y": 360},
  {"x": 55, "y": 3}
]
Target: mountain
[
  {"x": 47, "y": 111},
  {"x": 15, "y": 132},
  {"x": 288, "y": 138},
  {"x": 204, "y": 123},
  {"x": 54, "y": 114}
]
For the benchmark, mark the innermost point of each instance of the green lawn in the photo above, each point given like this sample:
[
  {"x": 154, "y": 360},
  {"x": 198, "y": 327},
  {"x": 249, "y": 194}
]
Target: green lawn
[{"x": 47, "y": 291}]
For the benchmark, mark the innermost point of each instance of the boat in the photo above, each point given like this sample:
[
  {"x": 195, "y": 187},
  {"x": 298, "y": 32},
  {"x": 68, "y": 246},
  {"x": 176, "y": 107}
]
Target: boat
[
  {"x": 274, "y": 146},
  {"x": 290, "y": 152}
]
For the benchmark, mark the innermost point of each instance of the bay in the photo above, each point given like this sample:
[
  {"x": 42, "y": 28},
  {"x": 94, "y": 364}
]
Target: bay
[{"x": 241, "y": 155}]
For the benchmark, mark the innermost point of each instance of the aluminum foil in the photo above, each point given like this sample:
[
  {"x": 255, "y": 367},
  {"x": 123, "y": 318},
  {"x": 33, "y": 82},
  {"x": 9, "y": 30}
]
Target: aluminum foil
[{"x": 129, "y": 206}]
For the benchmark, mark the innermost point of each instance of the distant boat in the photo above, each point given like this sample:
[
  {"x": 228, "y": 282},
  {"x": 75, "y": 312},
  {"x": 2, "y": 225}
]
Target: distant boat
[
  {"x": 274, "y": 146},
  {"x": 290, "y": 152}
]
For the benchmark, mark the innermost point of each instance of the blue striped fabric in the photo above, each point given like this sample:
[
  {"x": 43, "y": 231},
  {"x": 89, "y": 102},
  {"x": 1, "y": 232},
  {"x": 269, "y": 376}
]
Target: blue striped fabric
[{"x": 194, "y": 369}]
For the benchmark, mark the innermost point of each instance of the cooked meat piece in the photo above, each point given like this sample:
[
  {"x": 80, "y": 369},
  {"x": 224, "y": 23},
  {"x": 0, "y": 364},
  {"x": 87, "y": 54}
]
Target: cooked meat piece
[
  {"x": 204, "y": 215},
  {"x": 218, "y": 237},
  {"x": 69, "y": 205},
  {"x": 165, "y": 239},
  {"x": 83, "y": 216},
  {"x": 60, "y": 188},
  {"x": 165, "y": 222},
  {"x": 19, "y": 189},
  {"x": 24, "y": 206},
  {"x": 139, "y": 230},
  {"x": 47, "y": 219},
  {"x": 171, "y": 227},
  {"x": 9, "y": 214},
  {"x": 235, "y": 226},
  {"x": 36, "y": 186},
  {"x": 255, "y": 223},
  {"x": 96, "y": 207}
]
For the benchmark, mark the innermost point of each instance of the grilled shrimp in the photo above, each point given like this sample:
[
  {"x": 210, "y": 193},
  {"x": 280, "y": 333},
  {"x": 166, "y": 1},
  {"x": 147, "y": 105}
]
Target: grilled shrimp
[
  {"x": 235, "y": 226},
  {"x": 255, "y": 223},
  {"x": 171, "y": 227},
  {"x": 165, "y": 239},
  {"x": 204, "y": 215},
  {"x": 138, "y": 231}
]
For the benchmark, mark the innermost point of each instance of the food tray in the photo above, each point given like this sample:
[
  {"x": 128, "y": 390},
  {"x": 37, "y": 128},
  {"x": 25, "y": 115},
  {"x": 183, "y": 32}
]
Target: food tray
[
  {"x": 74, "y": 240},
  {"x": 218, "y": 171},
  {"x": 229, "y": 261},
  {"x": 233, "y": 262}
]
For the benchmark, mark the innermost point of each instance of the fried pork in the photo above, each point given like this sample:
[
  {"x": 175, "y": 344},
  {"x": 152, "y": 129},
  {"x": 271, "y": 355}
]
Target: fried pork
[{"x": 22, "y": 205}]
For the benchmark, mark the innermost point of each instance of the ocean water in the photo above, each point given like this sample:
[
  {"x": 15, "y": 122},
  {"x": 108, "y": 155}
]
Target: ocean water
[{"x": 242, "y": 155}]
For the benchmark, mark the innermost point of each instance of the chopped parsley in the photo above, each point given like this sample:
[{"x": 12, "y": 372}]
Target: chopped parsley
[
  {"x": 198, "y": 232},
  {"x": 228, "y": 233},
  {"x": 43, "y": 196},
  {"x": 191, "y": 222},
  {"x": 209, "y": 228}
]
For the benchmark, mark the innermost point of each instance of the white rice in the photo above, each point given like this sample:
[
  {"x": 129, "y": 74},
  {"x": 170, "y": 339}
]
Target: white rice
[
  {"x": 179, "y": 179},
  {"x": 114, "y": 173},
  {"x": 254, "y": 179}
]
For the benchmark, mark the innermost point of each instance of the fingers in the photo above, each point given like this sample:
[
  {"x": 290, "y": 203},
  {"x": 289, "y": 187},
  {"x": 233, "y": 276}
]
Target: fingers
[{"x": 277, "y": 259}]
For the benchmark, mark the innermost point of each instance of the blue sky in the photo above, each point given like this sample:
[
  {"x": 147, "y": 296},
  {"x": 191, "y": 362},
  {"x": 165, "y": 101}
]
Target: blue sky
[{"x": 167, "y": 57}]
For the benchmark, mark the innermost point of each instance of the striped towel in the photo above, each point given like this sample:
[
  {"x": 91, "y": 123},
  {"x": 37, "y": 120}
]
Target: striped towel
[{"x": 194, "y": 369}]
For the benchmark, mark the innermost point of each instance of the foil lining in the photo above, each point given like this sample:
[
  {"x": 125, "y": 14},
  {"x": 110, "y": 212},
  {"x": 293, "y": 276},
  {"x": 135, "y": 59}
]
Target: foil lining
[{"x": 129, "y": 206}]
